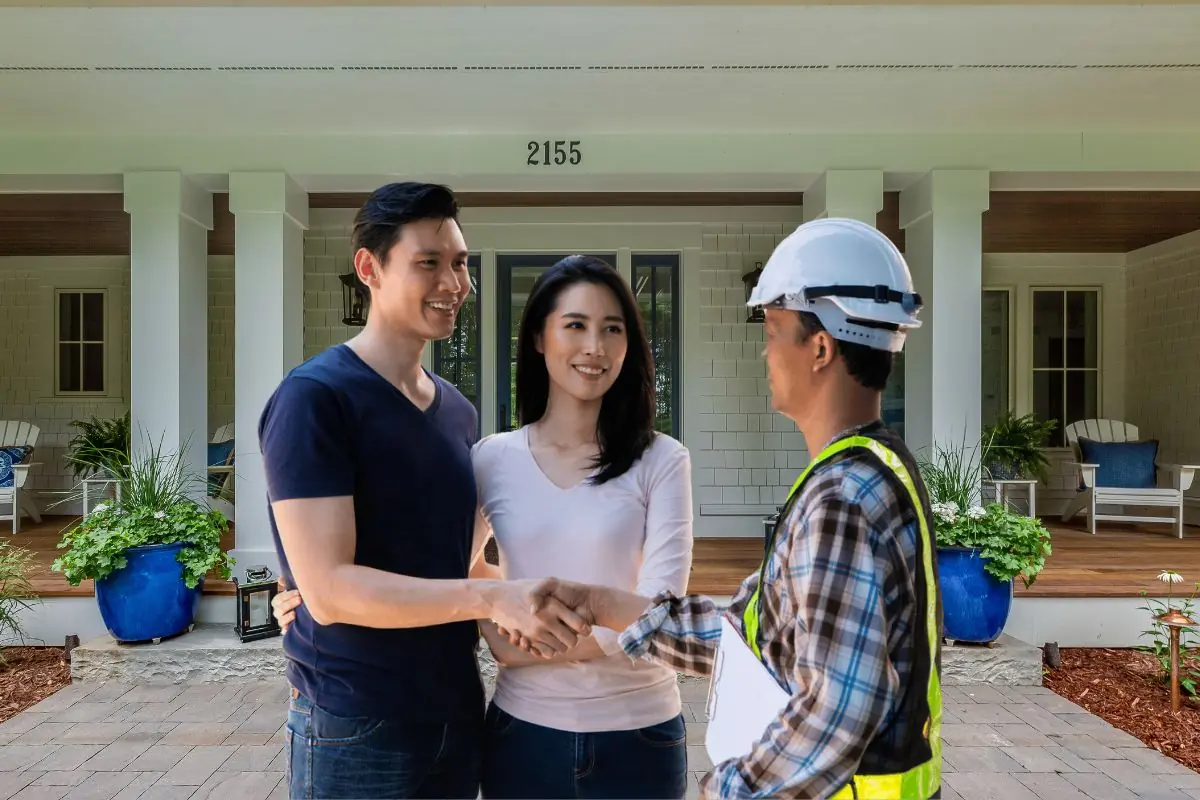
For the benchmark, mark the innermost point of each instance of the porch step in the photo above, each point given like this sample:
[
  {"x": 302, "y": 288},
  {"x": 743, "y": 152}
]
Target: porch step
[
  {"x": 1008, "y": 662},
  {"x": 210, "y": 653}
]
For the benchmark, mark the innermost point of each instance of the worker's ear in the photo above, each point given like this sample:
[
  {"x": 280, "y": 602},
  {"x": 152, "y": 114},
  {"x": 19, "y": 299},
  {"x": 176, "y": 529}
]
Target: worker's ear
[{"x": 826, "y": 349}]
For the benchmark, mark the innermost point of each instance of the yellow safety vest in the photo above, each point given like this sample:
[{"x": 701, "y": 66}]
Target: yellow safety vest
[{"x": 922, "y": 780}]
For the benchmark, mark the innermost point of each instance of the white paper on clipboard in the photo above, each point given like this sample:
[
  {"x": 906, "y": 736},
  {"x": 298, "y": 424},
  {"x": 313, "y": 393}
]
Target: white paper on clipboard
[{"x": 743, "y": 698}]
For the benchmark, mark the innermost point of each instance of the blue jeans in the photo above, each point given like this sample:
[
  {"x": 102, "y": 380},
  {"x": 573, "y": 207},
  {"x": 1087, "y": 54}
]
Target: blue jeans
[
  {"x": 362, "y": 757},
  {"x": 523, "y": 760}
]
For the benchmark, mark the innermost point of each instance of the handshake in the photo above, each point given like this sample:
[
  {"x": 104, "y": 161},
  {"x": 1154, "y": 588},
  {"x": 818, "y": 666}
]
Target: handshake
[
  {"x": 542, "y": 617},
  {"x": 547, "y": 617}
]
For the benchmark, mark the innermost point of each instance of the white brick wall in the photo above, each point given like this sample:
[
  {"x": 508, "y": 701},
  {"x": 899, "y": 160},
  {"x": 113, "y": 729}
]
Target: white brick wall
[
  {"x": 326, "y": 255},
  {"x": 746, "y": 456},
  {"x": 1163, "y": 342}
]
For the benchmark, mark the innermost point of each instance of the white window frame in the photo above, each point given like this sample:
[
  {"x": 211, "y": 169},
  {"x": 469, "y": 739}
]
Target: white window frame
[
  {"x": 105, "y": 343},
  {"x": 1098, "y": 369},
  {"x": 1011, "y": 344}
]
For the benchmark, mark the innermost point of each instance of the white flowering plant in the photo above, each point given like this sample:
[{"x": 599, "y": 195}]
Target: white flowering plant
[
  {"x": 1012, "y": 545},
  {"x": 155, "y": 505}
]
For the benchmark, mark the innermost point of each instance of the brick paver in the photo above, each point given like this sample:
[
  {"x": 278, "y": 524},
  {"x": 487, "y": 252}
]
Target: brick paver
[{"x": 105, "y": 741}]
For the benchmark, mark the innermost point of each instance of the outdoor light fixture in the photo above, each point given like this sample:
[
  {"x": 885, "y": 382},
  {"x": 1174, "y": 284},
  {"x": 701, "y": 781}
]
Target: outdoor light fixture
[
  {"x": 750, "y": 280},
  {"x": 1175, "y": 621},
  {"x": 254, "y": 617},
  {"x": 354, "y": 300}
]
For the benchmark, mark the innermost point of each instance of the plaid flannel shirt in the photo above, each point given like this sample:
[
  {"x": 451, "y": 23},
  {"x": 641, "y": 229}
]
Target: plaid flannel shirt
[{"x": 836, "y": 628}]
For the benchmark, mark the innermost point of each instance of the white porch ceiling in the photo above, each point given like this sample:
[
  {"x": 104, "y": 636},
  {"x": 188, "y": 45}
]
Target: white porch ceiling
[{"x": 564, "y": 71}]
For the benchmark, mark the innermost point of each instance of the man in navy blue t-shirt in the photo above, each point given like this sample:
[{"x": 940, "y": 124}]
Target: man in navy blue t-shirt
[{"x": 368, "y": 465}]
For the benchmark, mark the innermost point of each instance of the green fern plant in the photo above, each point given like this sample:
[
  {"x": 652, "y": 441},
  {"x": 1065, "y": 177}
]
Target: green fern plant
[
  {"x": 101, "y": 446},
  {"x": 1013, "y": 446}
]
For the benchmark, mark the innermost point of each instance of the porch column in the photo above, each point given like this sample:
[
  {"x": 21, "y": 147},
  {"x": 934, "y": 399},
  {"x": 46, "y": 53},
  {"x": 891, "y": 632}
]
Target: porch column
[
  {"x": 270, "y": 216},
  {"x": 850, "y": 193},
  {"x": 170, "y": 218},
  {"x": 943, "y": 233}
]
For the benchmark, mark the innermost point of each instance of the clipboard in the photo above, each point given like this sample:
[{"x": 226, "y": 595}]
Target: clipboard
[{"x": 743, "y": 698}]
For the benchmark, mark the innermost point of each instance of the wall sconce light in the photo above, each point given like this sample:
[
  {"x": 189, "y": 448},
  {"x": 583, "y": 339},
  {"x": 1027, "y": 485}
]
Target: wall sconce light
[
  {"x": 354, "y": 300},
  {"x": 750, "y": 280}
]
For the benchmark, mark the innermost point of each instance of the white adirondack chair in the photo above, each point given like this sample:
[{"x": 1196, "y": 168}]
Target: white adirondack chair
[
  {"x": 1171, "y": 497},
  {"x": 14, "y": 433}
]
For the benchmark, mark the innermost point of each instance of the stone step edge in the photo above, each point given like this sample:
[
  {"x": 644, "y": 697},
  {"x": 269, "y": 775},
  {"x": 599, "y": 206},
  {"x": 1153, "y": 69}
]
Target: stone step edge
[{"x": 212, "y": 653}]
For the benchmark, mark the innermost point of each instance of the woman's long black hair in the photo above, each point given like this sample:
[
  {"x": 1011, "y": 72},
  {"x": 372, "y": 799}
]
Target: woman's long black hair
[{"x": 626, "y": 425}]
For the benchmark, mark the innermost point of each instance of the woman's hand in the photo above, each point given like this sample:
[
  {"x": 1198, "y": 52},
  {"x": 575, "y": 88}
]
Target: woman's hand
[{"x": 284, "y": 606}]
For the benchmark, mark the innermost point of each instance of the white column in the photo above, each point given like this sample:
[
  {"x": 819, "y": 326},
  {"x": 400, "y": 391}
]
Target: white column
[
  {"x": 943, "y": 233},
  {"x": 270, "y": 216},
  {"x": 849, "y": 193},
  {"x": 170, "y": 218}
]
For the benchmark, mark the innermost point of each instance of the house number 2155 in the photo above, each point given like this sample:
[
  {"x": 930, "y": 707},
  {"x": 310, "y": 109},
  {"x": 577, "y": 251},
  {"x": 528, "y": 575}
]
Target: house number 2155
[{"x": 560, "y": 152}]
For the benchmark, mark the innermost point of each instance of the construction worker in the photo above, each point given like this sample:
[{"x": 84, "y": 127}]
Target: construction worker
[{"x": 844, "y": 614}]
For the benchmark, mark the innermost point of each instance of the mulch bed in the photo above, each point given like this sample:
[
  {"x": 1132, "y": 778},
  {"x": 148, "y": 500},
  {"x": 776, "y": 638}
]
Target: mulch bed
[
  {"x": 1121, "y": 687},
  {"x": 30, "y": 675}
]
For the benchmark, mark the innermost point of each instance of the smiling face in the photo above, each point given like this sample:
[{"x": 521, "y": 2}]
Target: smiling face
[
  {"x": 584, "y": 341},
  {"x": 421, "y": 285}
]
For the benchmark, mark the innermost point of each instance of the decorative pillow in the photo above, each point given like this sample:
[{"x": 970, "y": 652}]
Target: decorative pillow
[
  {"x": 220, "y": 454},
  {"x": 1123, "y": 465},
  {"x": 10, "y": 457}
]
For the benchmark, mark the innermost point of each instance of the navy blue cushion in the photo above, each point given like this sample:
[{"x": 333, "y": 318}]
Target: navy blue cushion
[
  {"x": 10, "y": 457},
  {"x": 218, "y": 453},
  {"x": 1123, "y": 465}
]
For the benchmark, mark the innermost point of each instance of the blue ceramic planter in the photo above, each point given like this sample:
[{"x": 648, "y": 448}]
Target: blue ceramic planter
[
  {"x": 147, "y": 598},
  {"x": 975, "y": 605}
]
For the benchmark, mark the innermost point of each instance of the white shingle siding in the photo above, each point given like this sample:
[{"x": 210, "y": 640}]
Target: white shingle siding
[
  {"x": 1163, "y": 343},
  {"x": 27, "y": 337}
]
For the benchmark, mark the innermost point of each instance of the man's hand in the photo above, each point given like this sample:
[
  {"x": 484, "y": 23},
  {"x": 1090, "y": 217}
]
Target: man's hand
[
  {"x": 284, "y": 606},
  {"x": 544, "y": 625},
  {"x": 579, "y": 597},
  {"x": 554, "y": 594}
]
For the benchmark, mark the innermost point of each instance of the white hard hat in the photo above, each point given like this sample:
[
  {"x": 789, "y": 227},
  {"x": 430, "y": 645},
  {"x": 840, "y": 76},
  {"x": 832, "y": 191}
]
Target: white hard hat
[{"x": 847, "y": 273}]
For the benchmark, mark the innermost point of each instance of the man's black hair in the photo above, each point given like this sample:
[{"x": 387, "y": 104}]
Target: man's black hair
[
  {"x": 378, "y": 224},
  {"x": 870, "y": 367}
]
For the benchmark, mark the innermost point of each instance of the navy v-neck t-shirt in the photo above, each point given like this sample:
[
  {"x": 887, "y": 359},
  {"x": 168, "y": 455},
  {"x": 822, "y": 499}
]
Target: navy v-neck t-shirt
[{"x": 336, "y": 427}]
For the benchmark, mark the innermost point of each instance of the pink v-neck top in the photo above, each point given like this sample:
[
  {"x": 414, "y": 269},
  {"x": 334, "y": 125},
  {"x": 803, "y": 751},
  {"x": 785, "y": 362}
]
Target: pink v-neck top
[{"x": 633, "y": 532}]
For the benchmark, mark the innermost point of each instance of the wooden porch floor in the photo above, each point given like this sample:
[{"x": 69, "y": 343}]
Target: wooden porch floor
[{"x": 1119, "y": 561}]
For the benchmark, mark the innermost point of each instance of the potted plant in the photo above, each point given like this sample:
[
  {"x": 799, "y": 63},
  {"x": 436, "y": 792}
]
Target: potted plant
[
  {"x": 149, "y": 549},
  {"x": 981, "y": 549},
  {"x": 1013, "y": 447},
  {"x": 100, "y": 447}
]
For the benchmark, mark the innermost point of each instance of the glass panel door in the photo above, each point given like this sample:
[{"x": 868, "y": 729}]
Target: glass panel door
[{"x": 515, "y": 276}]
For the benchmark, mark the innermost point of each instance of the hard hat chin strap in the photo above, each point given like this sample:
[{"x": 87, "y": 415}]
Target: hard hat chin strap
[{"x": 880, "y": 293}]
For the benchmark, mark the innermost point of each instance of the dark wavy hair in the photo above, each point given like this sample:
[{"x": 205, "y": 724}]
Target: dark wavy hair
[{"x": 626, "y": 425}]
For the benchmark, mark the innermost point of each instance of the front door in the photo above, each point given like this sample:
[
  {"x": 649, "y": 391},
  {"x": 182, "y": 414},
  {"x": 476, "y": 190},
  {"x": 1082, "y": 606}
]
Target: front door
[{"x": 515, "y": 276}]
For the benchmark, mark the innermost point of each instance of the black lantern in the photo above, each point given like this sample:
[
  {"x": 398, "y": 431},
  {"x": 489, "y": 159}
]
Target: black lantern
[
  {"x": 254, "y": 617},
  {"x": 750, "y": 280},
  {"x": 354, "y": 300}
]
